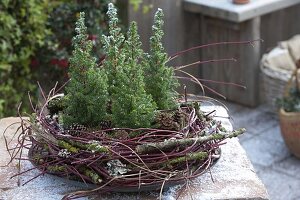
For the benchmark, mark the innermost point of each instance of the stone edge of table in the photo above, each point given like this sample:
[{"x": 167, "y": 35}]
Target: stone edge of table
[
  {"x": 233, "y": 178},
  {"x": 226, "y": 10}
]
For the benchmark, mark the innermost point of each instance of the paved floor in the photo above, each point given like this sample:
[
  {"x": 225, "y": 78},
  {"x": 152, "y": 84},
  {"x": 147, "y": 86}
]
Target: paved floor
[{"x": 276, "y": 167}]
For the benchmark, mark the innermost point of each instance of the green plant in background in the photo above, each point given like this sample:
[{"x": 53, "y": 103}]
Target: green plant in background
[
  {"x": 87, "y": 96},
  {"x": 137, "y": 4},
  {"x": 22, "y": 31},
  {"x": 53, "y": 58},
  {"x": 35, "y": 44},
  {"x": 290, "y": 103},
  {"x": 159, "y": 78},
  {"x": 64, "y": 16}
]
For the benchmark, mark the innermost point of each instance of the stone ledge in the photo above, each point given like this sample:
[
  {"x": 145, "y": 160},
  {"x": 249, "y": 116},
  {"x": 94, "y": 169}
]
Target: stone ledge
[
  {"x": 225, "y": 9},
  {"x": 233, "y": 175}
]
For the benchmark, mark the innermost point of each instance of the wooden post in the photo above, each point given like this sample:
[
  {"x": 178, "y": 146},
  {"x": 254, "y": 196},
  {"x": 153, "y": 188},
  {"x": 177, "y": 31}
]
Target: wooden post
[
  {"x": 279, "y": 25},
  {"x": 245, "y": 71}
]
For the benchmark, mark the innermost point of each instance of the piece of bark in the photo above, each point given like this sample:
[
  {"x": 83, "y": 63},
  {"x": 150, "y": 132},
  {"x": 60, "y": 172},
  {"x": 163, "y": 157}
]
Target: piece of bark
[{"x": 173, "y": 143}]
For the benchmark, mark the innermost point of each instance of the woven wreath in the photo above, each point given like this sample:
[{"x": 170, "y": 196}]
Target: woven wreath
[{"x": 121, "y": 124}]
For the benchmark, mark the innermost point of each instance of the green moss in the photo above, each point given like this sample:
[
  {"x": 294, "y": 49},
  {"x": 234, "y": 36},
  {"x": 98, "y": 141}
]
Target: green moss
[
  {"x": 91, "y": 174},
  {"x": 218, "y": 136},
  {"x": 189, "y": 157},
  {"x": 222, "y": 129},
  {"x": 56, "y": 168},
  {"x": 37, "y": 158},
  {"x": 199, "y": 113},
  {"x": 68, "y": 146},
  {"x": 94, "y": 146}
]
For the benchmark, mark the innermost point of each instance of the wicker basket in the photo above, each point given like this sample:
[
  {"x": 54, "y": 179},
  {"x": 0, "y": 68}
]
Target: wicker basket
[{"x": 274, "y": 80}]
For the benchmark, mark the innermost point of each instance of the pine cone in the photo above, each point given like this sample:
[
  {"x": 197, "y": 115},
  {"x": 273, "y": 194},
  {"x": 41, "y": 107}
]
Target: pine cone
[
  {"x": 121, "y": 134},
  {"x": 75, "y": 130},
  {"x": 105, "y": 125},
  {"x": 168, "y": 120}
]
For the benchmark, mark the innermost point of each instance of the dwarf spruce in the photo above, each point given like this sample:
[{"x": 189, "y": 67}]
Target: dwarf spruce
[
  {"x": 159, "y": 78},
  {"x": 115, "y": 57},
  {"x": 130, "y": 85},
  {"x": 130, "y": 105},
  {"x": 86, "y": 99}
]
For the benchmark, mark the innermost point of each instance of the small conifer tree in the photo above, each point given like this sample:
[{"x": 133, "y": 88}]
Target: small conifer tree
[
  {"x": 86, "y": 99},
  {"x": 159, "y": 78},
  {"x": 113, "y": 48},
  {"x": 131, "y": 89},
  {"x": 131, "y": 105}
]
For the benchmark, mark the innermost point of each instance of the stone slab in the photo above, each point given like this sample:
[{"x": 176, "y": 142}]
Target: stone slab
[
  {"x": 280, "y": 185},
  {"x": 225, "y": 9},
  {"x": 273, "y": 133},
  {"x": 255, "y": 122},
  {"x": 232, "y": 177},
  {"x": 289, "y": 166},
  {"x": 265, "y": 152}
]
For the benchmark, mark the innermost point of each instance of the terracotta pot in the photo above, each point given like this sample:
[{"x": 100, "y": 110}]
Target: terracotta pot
[
  {"x": 240, "y": 1},
  {"x": 290, "y": 130}
]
